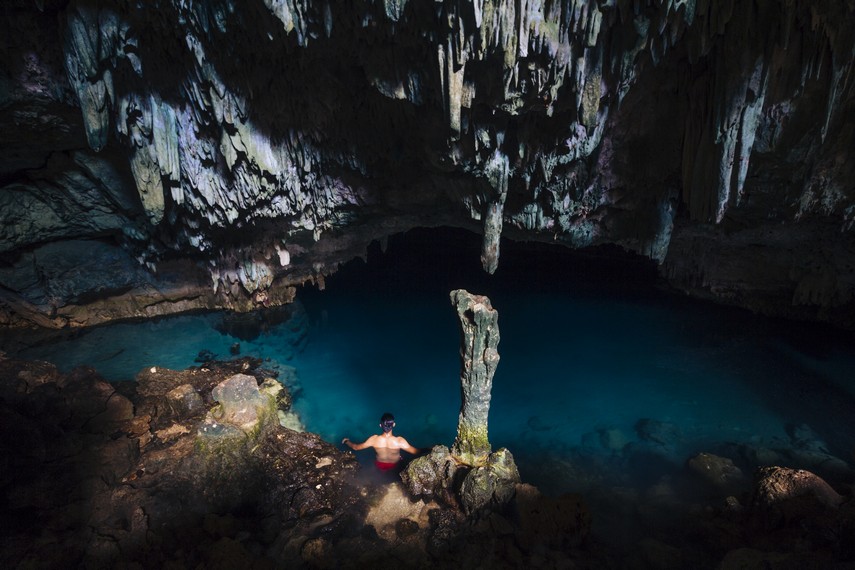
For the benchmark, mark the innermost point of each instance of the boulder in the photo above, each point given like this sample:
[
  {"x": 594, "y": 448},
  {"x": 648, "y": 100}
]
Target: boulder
[
  {"x": 117, "y": 410},
  {"x": 432, "y": 475},
  {"x": 782, "y": 495},
  {"x": 185, "y": 401},
  {"x": 242, "y": 415},
  {"x": 241, "y": 404},
  {"x": 720, "y": 472},
  {"x": 492, "y": 484}
]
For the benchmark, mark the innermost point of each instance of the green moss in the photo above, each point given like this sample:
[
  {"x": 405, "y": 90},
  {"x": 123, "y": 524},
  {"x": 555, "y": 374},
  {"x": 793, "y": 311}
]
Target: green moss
[
  {"x": 231, "y": 440},
  {"x": 472, "y": 445}
]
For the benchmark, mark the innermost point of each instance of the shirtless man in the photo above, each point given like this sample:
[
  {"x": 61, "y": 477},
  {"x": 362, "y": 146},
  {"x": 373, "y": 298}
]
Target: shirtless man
[{"x": 387, "y": 445}]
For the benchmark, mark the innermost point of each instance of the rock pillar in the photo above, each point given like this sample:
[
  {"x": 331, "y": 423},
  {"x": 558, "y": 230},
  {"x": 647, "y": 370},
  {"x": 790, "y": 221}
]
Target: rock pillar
[
  {"x": 478, "y": 360},
  {"x": 469, "y": 475}
]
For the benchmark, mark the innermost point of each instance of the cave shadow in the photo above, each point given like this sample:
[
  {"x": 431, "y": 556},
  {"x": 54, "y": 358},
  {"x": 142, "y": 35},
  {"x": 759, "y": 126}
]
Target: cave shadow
[{"x": 778, "y": 370}]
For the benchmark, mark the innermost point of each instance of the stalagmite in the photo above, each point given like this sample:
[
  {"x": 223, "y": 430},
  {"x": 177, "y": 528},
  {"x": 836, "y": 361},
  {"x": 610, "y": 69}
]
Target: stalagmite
[
  {"x": 469, "y": 473},
  {"x": 479, "y": 358}
]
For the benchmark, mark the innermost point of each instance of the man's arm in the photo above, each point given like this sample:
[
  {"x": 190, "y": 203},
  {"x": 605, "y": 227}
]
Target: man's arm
[
  {"x": 405, "y": 445},
  {"x": 357, "y": 446}
]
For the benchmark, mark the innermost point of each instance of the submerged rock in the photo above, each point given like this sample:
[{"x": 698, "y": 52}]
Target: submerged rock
[
  {"x": 662, "y": 433},
  {"x": 720, "y": 472},
  {"x": 783, "y": 496}
]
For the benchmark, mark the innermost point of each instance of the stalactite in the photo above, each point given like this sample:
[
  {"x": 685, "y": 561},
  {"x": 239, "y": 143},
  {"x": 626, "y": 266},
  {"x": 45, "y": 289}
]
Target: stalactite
[
  {"x": 497, "y": 172},
  {"x": 250, "y": 127},
  {"x": 83, "y": 65}
]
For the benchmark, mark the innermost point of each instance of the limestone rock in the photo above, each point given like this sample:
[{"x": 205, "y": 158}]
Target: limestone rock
[
  {"x": 241, "y": 403},
  {"x": 492, "y": 484},
  {"x": 478, "y": 361},
  {"x": 719, "y": 472},
  {"x": 390, "y": 512},
  {"x": 118, "y": 409},
  {"x": 156, "y": 133},
  {"x": 185, "y": 401},
  {"x": 432, "y": 475},
  {"x": 782, "y": 495}
]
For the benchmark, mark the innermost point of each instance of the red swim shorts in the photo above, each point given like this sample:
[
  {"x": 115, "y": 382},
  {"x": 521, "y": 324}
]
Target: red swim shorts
[{"x": 385, "y": 466}]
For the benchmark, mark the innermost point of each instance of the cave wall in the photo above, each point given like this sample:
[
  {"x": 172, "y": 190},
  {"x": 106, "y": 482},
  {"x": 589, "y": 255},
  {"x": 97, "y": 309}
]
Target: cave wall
[{"x": 167, "y": 155}]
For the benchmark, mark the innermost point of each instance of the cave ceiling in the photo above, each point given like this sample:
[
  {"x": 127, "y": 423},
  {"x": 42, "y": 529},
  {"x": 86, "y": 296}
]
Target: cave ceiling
[{"x": 169, "y": 155}]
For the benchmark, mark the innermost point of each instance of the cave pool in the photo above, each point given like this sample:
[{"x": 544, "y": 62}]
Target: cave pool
[{"x": 589, "y": 347}]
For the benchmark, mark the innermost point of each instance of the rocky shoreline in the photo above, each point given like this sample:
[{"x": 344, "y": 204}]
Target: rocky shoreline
[
  {"x": 176, "y": 470},
  {"x": 210, "y": 467}
]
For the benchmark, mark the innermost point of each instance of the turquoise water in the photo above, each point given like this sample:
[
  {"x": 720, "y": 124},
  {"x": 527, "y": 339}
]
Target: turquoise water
[{"x": 588, "y": 348}]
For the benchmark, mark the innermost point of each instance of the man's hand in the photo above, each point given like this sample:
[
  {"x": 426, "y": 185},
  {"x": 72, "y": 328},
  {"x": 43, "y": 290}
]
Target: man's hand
[{"x": 346, "y": 440}]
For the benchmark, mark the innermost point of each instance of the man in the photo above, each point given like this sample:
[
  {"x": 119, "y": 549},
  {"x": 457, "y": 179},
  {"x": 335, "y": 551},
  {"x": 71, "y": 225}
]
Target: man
[{"x": 387, "y": 445}]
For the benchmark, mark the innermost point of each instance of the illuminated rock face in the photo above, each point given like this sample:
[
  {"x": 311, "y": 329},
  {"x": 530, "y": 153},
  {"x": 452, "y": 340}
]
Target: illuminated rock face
[{"x": 232, "y": 150}]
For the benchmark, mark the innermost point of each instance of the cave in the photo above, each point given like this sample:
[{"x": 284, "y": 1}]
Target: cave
[{"x": 211, "y": 203}]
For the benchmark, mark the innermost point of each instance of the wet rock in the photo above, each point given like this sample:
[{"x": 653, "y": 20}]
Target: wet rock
[
  {"x": 205, "y": 356},
  {"x": 782, "y": 495},
  {"x": 405, "y": 528},
  {"x": 720, "y": 472},
  {"x": 820, "y": 462},
  {"x": 760, "y": 455},
  {"x": 492, "y": 484},
  {"x": 278, "y": 392},
  {"x": 241, "y": 404},
  {"x": 391, "y": 509},
  {"x": 479, "y": 359},
  {"x": 86, "y": 395},
  {"x": 22, "y": 444},
  {"x": 138, "y": 426},
  {"x": 185, "y": 401},
  {"x": 469, "y": 472},
  {"x": 317, "y": 553},
  {"x": 804, "y": 438},
  {"x": 444, "y": 525},
  {"x": 432, "y": 475},
  {"x": 172, "y": 432}
]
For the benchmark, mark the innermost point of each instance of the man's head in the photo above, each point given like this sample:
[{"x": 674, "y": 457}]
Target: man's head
[{"x": 387, "y": 422}]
